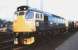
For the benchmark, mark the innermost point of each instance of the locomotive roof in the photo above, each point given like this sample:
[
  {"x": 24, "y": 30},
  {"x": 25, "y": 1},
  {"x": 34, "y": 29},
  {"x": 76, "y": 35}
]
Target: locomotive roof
[
  {"x": 57, "y": 16},
  {"x": 24, "y": 8},
  {"x": 46, "y": 13}
]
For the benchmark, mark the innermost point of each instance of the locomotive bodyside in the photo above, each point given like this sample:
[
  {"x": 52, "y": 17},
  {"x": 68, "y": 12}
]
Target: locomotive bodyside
[{"x": 53, "y": 24}]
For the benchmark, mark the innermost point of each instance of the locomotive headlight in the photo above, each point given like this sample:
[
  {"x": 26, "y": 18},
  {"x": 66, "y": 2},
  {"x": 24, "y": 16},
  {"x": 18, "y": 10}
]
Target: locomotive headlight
[{"x": 16, "y": 41}]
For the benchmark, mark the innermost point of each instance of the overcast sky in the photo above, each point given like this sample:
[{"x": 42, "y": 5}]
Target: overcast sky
[{"x": 65, "y": 8}]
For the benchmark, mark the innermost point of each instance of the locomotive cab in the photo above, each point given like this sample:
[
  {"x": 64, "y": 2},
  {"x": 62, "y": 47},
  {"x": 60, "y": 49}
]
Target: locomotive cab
[{"x": 24, "y": 21}]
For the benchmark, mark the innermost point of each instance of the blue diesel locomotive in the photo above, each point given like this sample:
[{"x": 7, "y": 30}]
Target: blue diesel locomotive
[{"x": 29, "y": 23}]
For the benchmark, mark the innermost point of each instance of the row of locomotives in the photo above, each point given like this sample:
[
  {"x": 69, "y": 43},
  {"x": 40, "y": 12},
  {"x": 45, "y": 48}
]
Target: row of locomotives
[
  {"x": 71, "y": 27},
  {"x": 32, "y": 23},
  {"x": 6, "y": 36},
  {"x": 76, "y": 24}
]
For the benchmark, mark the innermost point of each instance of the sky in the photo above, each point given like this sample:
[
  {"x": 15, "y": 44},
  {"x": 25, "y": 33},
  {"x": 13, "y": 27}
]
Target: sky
[{"x": 67, "y": 9}]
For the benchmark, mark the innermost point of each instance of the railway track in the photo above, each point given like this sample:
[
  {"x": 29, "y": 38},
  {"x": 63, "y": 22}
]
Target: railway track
[{"x": 6, "y": 41}]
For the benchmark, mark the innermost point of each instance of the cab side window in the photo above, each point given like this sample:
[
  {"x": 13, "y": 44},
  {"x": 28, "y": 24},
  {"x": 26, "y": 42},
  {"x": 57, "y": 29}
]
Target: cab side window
[
  {"x": 39, "y": 16},
  {"x": 30, "y": 15}
]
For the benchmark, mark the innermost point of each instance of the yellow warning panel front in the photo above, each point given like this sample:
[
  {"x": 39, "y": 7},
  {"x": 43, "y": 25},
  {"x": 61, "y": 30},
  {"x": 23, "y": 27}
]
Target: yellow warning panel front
[{"x": 21, "y": 25}]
